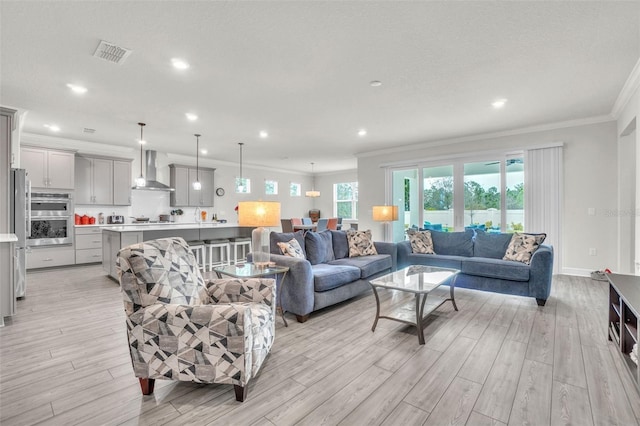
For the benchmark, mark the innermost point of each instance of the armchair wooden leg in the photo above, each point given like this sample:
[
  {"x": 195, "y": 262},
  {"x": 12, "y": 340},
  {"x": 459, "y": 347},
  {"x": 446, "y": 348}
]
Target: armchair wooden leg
[
  {"x": 147, "y": 385},
  {"x": 241, "y": 392},
  {"x": 302, "y": 318}
]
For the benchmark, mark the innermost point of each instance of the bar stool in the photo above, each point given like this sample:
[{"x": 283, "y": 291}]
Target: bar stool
[
  {"x": 223, "y": 254},
  {"x": 237, "y": 243},
  {"x": 197, "y": 248}
]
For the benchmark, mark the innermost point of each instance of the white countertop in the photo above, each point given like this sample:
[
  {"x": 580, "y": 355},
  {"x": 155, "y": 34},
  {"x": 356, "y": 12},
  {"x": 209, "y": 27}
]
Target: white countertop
[
  {"x": 136, "y": 227},
  {"x": 8, "y": 238}
]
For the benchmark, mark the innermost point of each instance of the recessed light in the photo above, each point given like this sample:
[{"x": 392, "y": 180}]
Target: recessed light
[
  {"x": 498, "y": 103},
  {"x": 264, "y": 134},
  {"x": 52, "y": 127},
  {"x": 362, "y": 132},
  {"x": 375, "y": 83},
  {"x": 179, "y": 64},
  {"x": 203, "y": 151},
  {"x": 77, "y": 89},
  {"x": 191, "y": 117}
]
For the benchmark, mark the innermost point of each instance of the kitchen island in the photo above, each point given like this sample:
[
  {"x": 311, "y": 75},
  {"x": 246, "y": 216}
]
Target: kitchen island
[{"x": 115, "y": 237}]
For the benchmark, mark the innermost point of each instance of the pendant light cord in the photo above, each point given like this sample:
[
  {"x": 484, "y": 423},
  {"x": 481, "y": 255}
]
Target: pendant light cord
[
  {"x": 141, "y": 143},
  {"x": 240, "y": 143},
  {"x": 197, "y": 157}
]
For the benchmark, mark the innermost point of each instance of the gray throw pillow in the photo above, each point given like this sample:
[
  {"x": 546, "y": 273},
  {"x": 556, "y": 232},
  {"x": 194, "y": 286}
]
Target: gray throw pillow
[{"x": 319, "y": 247}]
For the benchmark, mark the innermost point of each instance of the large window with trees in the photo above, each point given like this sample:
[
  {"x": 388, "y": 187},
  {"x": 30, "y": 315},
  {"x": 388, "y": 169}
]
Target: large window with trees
[
  {"x": 486, "y": 195},
  {"x": 345, "y": 200}
]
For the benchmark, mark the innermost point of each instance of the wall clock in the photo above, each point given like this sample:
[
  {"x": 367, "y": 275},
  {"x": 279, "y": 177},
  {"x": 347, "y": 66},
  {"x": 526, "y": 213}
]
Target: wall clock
[{"x": 220, "y": 192}]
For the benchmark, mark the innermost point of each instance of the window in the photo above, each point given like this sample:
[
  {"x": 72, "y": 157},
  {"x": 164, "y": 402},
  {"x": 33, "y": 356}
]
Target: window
[
  {"x": 243, "y": 186},
  {"x": 271, "y": 187},
  {"x": 295, "y": 189},
  {"x": 487, "y": 195},
  {"x": 345, "y": 200}
]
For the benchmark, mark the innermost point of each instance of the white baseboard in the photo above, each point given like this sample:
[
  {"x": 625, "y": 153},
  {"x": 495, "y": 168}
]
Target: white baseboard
[{"x": 577, "y": 272}]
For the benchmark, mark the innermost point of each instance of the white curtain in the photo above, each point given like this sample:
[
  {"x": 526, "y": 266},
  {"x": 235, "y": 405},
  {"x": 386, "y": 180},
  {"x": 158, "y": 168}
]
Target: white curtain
[{"x": 543, "y": 196}]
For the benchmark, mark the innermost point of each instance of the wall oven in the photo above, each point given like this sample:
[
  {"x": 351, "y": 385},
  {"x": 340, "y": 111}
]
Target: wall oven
[{"x": 50, "y": 219}]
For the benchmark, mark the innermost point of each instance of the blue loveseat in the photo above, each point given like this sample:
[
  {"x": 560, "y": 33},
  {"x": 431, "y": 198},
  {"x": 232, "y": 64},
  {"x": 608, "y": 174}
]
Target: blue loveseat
[
  {"x": 328, "y": 275},
  {"x": 478, "y": 256}
]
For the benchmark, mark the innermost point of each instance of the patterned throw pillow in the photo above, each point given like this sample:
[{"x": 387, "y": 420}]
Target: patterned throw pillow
[
  {"x": 292, "y": 248},
  {"x": 421, "y": 241},
  {"x": 360, "y": 243},
  {"x": 522, "y": 247}
]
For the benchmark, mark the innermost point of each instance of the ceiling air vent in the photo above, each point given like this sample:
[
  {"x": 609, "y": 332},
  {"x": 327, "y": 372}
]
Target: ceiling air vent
[
  {"x": 88, "y": 130},
  {"x": 112, "y": 53}
]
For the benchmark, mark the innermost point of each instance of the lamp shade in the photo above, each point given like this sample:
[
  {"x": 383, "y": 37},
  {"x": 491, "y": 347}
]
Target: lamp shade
[
  {"x": 385, "y": 213},
  {"x": 258, "y": 213}
]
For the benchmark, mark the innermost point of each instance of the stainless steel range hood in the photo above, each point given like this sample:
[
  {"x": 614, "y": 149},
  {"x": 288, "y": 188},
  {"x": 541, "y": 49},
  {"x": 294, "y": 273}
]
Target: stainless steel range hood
[{"x": 152, "y": 184}]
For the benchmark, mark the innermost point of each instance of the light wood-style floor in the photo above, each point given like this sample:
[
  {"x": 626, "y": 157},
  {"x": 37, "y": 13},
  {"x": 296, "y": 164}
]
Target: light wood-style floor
[{"x": 499, "y": 360}]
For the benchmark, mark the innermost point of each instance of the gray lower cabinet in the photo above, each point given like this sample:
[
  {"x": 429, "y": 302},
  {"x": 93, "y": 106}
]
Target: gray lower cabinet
[
  {"x": 88, "y": 245},
  {"x": 44, "y": 257},
  {"x": 112, "y": 242},
  {"x": 102, "y": 181},
  {"x": 182, "y": 178}
]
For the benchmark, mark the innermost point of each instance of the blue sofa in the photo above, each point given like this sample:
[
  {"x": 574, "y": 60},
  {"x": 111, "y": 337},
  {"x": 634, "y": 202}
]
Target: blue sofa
[
  {"x": 478, "y": 256},
  {"x": 328, "y": 275}
]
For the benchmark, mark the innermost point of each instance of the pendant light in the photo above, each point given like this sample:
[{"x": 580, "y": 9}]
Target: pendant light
[
  {"x": 197, "y": 185},
  {"x": 140, "y": 181},
  {"x": 240, "y": 183},
  {"x": 313, "y": 193}
]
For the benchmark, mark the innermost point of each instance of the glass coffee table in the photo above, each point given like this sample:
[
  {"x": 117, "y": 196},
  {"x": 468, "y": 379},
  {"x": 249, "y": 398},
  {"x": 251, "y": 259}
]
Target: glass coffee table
[
  {"x": 419, "y": 280},
  {"x": 250, "y": 270}
]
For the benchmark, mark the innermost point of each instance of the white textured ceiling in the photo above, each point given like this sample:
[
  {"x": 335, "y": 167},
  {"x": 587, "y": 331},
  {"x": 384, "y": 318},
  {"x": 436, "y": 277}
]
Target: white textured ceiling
[{"x": 301, "y": 71}]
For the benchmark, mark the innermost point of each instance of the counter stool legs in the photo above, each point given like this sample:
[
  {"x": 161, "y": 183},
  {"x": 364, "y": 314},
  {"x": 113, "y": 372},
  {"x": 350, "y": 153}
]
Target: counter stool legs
[
  {"x": 243, "y": 243},
  {"x": 224, "y": 257}
]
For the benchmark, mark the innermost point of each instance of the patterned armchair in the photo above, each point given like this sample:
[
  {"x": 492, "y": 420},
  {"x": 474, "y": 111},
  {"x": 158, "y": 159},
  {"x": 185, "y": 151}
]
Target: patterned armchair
[{"x": 183, "y": 328}]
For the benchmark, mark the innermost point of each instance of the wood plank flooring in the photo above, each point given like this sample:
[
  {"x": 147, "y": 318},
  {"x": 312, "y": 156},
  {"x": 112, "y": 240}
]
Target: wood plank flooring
[{"x": 500, "y": 360}]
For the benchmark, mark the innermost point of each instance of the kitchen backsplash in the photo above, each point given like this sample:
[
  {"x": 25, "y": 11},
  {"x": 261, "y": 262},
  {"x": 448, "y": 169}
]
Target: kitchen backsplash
[{"x": 149, "y": 204}]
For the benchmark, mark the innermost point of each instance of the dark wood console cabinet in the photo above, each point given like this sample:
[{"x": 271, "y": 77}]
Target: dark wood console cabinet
[{"x": 624, "y": 304}]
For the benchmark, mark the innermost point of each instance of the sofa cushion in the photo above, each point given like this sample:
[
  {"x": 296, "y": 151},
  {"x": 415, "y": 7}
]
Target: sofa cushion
[
  {"x": 495, "y": 268},
  {"x": 442, "y": 261},
  {"x": 340, "y": 244},
  {"x": 292, "y": 248},
  {"x": 453, "y": 243},
  {"x": 490, "y": 245},
  {"x": 327, "y": 277},
  {"x": 421, "y": 241},
  {"x": 360, "y": 243},
  {"x": 284, "y": 237},
  {"x": 368, "y": 265},
  {"x": 522, "y": 247},
  {"x": 319, "y": 247}
]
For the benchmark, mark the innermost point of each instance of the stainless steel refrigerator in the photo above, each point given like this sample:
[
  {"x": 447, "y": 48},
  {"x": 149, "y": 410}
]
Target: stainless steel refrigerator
[{"x": 20, "y": 223}]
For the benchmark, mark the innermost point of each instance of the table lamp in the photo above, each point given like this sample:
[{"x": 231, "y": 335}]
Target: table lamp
[
  {"x": 385, "y": 214},
  {"x": 261, "y": 215}
]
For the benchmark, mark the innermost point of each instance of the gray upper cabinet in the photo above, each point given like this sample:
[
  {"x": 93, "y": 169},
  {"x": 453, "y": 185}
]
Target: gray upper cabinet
[
  {"x": 122, "y": 182},
  {"x": 48, "y": 168},
  {"x": 101, "y": 181},
  {"x": 184, "y": 195}
]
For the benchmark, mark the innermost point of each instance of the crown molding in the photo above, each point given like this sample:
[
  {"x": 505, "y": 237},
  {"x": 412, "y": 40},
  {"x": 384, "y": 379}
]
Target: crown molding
[
  {"x": 213, "y": 162},
  {"x": 85, "y": 147},
  {"x": 483, "y": 136},
  {"x": 628, "y": 89}
]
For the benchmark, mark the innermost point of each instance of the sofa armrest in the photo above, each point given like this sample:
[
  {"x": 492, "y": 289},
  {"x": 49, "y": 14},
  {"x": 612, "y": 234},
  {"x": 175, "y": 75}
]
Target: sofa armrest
[
  {"x": 297, "y": 288},
  {"x": 541, "y": 272},
  {"x": 390, "y": 249},
  {"x": 235, "y": 290},
  {"x": 404, "y": 250}
]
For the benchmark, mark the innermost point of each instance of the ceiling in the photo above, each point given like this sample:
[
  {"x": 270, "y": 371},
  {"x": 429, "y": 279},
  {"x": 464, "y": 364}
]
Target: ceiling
[{"x": 302, "y": 72}]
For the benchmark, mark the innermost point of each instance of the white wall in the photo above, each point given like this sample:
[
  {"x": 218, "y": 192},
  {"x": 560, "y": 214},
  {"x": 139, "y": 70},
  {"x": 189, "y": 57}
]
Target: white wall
[
  {"x": 590, "y": 181},
  {"x": 151, "y": 204}
]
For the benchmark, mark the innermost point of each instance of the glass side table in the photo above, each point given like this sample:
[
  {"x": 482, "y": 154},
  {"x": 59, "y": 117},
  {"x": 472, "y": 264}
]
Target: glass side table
[{"x": 249, "y": 270}]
